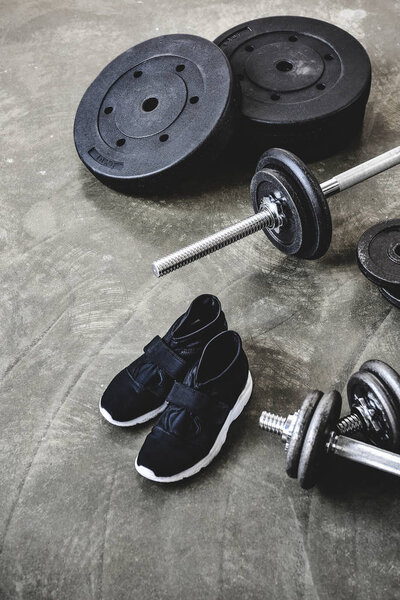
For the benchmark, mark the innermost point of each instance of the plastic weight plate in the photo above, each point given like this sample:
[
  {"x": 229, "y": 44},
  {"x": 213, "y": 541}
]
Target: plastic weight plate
[{"x": 158, "y": 110}]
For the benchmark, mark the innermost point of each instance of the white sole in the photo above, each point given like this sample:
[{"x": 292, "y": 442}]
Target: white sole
[
  {"x": 142, "y": 419},
  {"x": 219, "y": 442}
]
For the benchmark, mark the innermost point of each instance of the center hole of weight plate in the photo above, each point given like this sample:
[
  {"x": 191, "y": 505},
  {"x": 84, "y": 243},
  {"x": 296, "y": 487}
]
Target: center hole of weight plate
[
  {"x": 150, "y": 104},
  {"x": 284, "y": 66},
  {"x": 396, "y": 250}
]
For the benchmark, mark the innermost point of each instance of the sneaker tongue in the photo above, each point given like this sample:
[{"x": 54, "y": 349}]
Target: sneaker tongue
[
  {"x": 203, "y": 313},
  {"x": 189, "y": 345}
]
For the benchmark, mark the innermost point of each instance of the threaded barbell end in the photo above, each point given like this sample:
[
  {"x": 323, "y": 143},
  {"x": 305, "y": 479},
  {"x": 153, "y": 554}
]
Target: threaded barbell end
[
  {"x": 349, "y": 424},
  {"x": 271, "y": 422},
  {"x": 180, "y": 258}
]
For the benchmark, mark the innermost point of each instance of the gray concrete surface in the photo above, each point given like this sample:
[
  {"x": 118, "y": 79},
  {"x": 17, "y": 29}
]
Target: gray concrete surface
[{"x": 79, "y": 301}]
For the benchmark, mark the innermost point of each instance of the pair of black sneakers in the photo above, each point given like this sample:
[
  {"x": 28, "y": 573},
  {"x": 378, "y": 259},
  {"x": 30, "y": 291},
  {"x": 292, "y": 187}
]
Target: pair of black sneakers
[{"x": 197, "y": 379}]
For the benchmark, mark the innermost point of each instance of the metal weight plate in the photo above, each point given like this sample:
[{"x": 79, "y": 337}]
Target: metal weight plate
[
  {"x": 299, "y": 431},
  {"x": 324, "y": 420},
  {"x": 270, "y": 184},
  {"x": 309, "y": 200},
  {"x": 392, "y": 297},
  {"x": 304, "y": 83},
  {"x": 378, "y": 254},
  {"x": 366, "y": 392},
  {"x": 391, "y": 381},
  {"x": 156, "y": 111}
]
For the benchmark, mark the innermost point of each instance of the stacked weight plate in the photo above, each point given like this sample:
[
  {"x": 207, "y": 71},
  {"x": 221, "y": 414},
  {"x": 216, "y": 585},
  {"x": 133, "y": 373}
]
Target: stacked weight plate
[
  {"x": 158, "y": 111},
  {"x": 304, "y": 84},
  {"x": 168, "y": 107}
]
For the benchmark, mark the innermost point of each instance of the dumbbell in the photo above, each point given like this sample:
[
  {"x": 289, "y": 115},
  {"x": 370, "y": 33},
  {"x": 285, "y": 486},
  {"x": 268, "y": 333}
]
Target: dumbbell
[
  {"x": 290, "y": 207},
  {"x": 315, "y": 431}
]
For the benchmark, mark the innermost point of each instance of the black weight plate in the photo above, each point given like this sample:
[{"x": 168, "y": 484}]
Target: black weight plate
[
  {"x": 299, "y": 431},
  {"x": 378, "y": 254},
  {"x": 391, "y": 380},
  {"x": 387, "y": 375},
  {"x": 156, "y": 110},
  {"x": 317, "y": 223},
  {"x": 304, "y": 82},
  {"x": 324, "y": 420},
  {"x": 365, "y": 384},
  {"x": 392, "y": 297},
  {"x": 267, "y": 183}
]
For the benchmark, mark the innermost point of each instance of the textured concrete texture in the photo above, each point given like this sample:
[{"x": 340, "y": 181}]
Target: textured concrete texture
[{"x": 79, "y": 301}]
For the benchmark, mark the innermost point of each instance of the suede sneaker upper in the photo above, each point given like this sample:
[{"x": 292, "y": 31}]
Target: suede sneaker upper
[
  {"x": 139, "y": 391},
  {"x": 193, "y": 427}
]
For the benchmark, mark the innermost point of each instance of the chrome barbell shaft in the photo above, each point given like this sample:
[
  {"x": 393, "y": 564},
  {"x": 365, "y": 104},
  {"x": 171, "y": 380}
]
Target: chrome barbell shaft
[{"x": 361, "y": 172}]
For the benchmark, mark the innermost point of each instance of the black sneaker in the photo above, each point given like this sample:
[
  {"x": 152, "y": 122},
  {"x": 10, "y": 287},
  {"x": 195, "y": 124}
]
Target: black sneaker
[
  {"x": 139, "y": 391},
  {"x": 193, "y": 428}
]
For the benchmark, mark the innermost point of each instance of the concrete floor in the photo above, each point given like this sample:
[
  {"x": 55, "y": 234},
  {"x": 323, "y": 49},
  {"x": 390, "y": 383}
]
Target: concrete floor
[{"x": 79, "y": 301}]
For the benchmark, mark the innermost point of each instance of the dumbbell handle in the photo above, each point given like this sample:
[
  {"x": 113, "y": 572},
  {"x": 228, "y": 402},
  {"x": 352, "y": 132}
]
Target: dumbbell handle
[
  {"x": 265, "y": 218},
  {"x": 368, "y": 169},
  {"x": 337, "y": 444},
  {"x": 365, "y": 454}
]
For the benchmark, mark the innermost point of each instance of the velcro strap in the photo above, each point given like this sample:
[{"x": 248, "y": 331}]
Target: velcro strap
[
  {"x": 185, "y": 396},
  {"x": 162, "y": 355}
]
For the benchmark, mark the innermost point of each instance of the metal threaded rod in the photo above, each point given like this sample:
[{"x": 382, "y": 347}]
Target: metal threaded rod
[
  {"x": 271, "y": 422},
  {"x": 277, "y": 424},
  {"x": 213, "y": 242},
  {"x": 265, "y": 218},
  {"x": 349, "y": 424}
]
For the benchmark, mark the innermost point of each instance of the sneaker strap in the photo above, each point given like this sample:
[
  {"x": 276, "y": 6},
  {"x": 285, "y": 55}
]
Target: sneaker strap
[
  {"x": 159, "y": 353},
  {"x": 184, "y": 396}
]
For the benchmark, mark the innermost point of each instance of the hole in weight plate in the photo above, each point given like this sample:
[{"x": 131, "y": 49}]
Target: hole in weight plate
[
  {"x": 284, "y": 66},
  {"x": 320, "y": 86},
  {"x": 137, "y": 74},
  {"x": 249, "y": 48},
  {"x": 328, "y": 57},
  {"x": 120, "y": 142},
  {"x": 180, "y": 68},
  {"x": 164, "y": 137},
  {"x": 293, "y": 38},
  {"x": 108, "y": 110},
  {"x": 194, "y": 100},
  {"x": 275, "y": 97},
  {"x": 150, "y": 104}
]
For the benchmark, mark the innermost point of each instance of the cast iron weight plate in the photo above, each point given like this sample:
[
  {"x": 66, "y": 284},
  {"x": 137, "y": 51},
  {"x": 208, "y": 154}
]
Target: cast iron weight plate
[
  {"x": 300, "y": 429},
  {"x": 377, "y": 396},
  {"x": 308, "y": 218},
  {"x": 304, "y": 83},
  {"x": 156, "y": 110},
  {"x": 273, "y": 184},
  {"x": 325, "y": 417},
  {"x": 390, "y": 379},
  {"x": 378, "y": 254}
]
